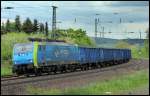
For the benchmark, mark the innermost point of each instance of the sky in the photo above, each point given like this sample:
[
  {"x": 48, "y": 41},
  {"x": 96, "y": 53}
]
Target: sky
[{"x": 81, "y": 14}]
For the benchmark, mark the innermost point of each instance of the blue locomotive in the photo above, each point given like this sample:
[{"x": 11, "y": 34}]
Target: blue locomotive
[{"x": 46, "y": 57}]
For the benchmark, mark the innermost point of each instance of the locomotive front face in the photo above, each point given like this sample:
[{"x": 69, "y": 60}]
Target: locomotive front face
[{"x": 23, "y": 54}]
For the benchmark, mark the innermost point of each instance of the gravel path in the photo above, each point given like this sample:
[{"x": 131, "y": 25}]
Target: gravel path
[{"x": 78, "y": 80}]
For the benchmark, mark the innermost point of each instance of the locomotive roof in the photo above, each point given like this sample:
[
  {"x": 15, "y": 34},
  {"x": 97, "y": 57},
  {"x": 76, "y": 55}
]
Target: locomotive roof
[{"x": 48, "y": 43}]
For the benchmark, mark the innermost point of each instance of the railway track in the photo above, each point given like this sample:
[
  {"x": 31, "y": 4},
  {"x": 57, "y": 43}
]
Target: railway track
[
  {"x": 11, "y": 77},
  {"x": 24, "y": 80},
  {"x": 73, "y": 79}
]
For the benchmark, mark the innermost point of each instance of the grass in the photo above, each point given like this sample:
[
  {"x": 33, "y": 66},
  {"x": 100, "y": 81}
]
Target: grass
[
  {"x": 136, "y": 53},
  {"x": 115, "y": 85},
  {"x": 6, "y": 68}
]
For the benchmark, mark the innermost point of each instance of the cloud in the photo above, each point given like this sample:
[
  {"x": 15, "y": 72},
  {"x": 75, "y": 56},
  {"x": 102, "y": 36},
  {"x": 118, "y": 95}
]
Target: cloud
[{"x": 130, "y": 3}]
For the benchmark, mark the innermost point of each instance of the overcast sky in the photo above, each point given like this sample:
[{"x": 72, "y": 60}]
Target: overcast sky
[{"x": 84, "y": 12}]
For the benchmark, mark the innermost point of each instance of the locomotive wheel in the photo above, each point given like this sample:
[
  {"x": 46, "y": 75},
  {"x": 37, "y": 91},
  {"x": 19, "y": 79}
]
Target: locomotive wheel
[
  {"x": 27, "y": 75},
  {"x": 37, "y": 72}
]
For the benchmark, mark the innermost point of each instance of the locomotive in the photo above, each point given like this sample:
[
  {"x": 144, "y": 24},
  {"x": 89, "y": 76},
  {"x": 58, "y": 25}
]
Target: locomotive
[{"x": 46, "y": 57}]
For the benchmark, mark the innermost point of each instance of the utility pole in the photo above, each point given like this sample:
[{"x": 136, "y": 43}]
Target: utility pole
[
  {"x": 140, "y": 43},
  {"x": 54, "y": 23},
  {"x": 100, "y": 34},
  {"x": 140, "y": 34},
  {"x": 96, "y": 23},
  {"x": 103, "y": 31},
  {"x": 96, "y": 28}
]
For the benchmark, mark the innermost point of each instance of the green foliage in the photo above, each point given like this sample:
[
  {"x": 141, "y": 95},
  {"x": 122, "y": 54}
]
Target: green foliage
[
  {"x": 141, "y": 52},
  {"x": 17, "y": 24},
  {"x": 8, "y": 26},
  {"x": 78, "y": 36},
  {"x": 6, "y": 67},
  {"x": 35, "y": 26},
  {"x": 122, "y": 44},
  {"x": 115, "y": 85},
  {"x": 136, "y": 53},
  {"x": 12, "y": 26},
  {"x": 146, "y": 42},
  {"x": 3, "y": 30},
  {"x": 27, "y": 26},
  {"x": 46, "y": 29},
  {"x": 41, "y": 28}
]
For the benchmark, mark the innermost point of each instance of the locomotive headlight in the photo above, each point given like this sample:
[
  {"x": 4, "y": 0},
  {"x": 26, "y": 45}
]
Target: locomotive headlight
[{"x": 31, "y": 60}]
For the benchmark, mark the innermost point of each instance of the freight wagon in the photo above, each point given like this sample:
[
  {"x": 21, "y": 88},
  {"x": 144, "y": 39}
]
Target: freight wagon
[{"x": 46, "y": 57}]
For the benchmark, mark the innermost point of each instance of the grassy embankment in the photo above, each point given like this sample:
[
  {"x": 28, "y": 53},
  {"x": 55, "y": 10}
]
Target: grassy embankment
[
  {"x": 116, "y": 85},
  {"x": 137, "y": 54}
]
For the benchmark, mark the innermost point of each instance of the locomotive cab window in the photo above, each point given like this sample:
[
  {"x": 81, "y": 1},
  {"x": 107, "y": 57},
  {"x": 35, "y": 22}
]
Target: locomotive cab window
[{"x": 23, "y": 48}]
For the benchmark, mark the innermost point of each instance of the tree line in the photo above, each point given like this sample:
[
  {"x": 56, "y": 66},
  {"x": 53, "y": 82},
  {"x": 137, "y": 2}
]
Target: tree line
[{"x": 27, "y": 26}]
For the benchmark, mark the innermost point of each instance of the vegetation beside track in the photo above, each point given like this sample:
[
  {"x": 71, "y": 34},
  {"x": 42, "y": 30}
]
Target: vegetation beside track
[
  {"x": 6, "y": 68},
  {"x": 113, "y": 86}
]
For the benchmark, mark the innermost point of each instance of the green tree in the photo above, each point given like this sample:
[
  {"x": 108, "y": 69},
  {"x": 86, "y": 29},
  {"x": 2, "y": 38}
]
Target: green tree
[
  {"x": 35, "y": 26},
  {"x": 8, "y": 26},
  {"x": 27, "y": 26},
  {"x": 41, "y": 28},
  {"x": 12, "y": 26},
  {"x": 147, "y": 42},
  {"x": 18, "y": 23},
  {"x": 46, "y": 29},
  {"x": 78, "y": 36},
  {"x": 3, "y": 30}
]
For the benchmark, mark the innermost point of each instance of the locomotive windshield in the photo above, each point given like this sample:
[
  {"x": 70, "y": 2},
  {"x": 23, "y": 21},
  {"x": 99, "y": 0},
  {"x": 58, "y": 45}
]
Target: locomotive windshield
[{"x": 22, "y": 48}]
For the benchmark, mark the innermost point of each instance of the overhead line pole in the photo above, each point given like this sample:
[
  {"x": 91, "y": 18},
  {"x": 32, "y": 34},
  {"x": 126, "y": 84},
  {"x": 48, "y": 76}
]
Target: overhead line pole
[
  {"x": 103, "y": 31},
  {"x": 54, "y": 23},
  {"x": 95, "y": 28},
  {"x": 140, "y": 42}
]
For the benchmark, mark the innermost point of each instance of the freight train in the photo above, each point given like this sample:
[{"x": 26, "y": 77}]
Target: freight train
[{"x": 46, "y": 57}]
